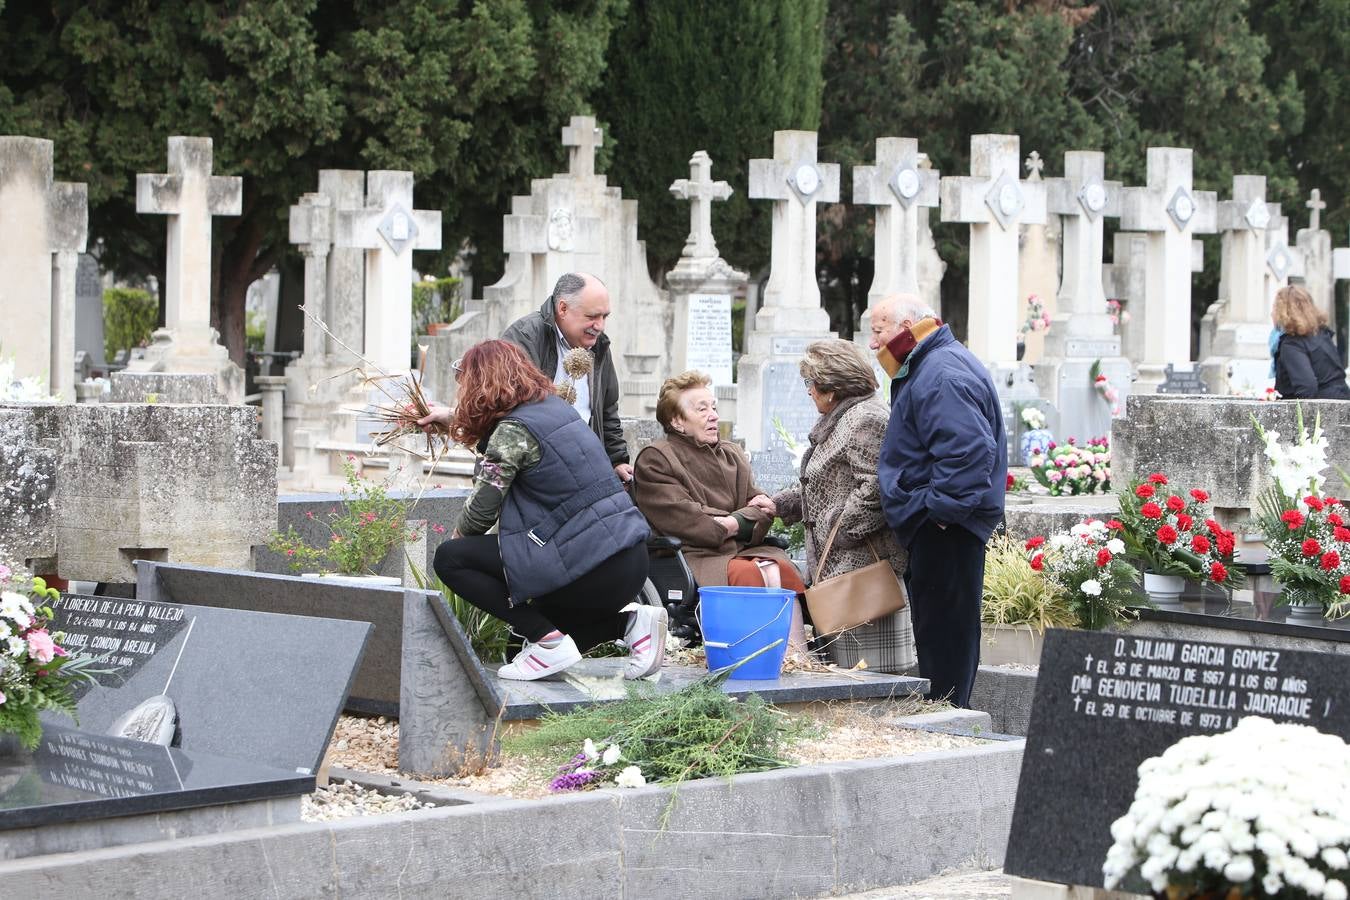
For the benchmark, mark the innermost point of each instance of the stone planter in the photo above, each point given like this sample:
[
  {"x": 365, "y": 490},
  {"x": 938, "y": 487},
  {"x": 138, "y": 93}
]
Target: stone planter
[
  {"x": 1164, "y": 590},
  {"x": 1010, "y": 645}
]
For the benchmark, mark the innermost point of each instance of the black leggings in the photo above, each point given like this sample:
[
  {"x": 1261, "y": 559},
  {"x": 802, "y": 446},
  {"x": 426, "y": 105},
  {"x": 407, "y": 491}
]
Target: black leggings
[{"x": 587, "y": 609}]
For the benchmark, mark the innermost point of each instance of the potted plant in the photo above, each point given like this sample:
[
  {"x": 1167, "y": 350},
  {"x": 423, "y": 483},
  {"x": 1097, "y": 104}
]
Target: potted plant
[
  {"x": 1088, "y": 564},
  {"x": 1224, "y": 817},
  {"x": 1305, "y": 531},
  {"x": 361, "y": 530},
  {"x": 1167, "y": 531},
  {"x": 1019, "y": 603},
  {"x": 1036, "y": 438},
  {"x": 36, "y": 672}
]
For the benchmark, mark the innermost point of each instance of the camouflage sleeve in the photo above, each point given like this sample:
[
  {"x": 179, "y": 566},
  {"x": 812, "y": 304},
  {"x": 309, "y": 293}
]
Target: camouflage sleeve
[{"x": 510, "y": 450}]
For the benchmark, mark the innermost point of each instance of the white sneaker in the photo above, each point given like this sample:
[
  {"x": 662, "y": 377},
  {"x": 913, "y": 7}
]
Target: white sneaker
[
  {"x": 645, "y": 637},
  {"x": 535, "y": 661}
]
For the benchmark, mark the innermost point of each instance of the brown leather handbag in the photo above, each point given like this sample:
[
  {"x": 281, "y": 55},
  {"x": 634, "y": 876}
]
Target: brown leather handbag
[{"x": 853, "y": 598}]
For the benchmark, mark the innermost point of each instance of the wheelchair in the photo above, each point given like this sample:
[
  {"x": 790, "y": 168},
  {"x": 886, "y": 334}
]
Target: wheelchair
[{"x": 670, "y": 583}]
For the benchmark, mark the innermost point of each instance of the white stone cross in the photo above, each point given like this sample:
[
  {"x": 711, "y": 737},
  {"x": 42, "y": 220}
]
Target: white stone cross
[
  {"x": 389, "y": 229},
  {"x": 700, "y": 190},
  {"x": 190, "y": 196},
  {"x": 1316, "y": 204},
  {"x": 311, "y": 227},
  {"x": 796, "y": 182},
  {"x": 994, "y": 202},
  {"x": 1084, "y": 198},
  {"x": 1034, "y": 165},
  {"x": 581, "y": 137},
  {"x": 897, "y": 186},
  {"x": 1170, "y": 212},
  {"x": 1245, "y": 220},
  {"x": 43, "y": 228}
]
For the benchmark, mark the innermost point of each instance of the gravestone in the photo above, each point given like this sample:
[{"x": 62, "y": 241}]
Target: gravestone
[
  {"x": 189, "y": 196},
  {"x": 1112, "y": 697},
  {"x": 903, "y": 187},
  {"x": 43, "y": 228},
  {"x": 1314, "y": 244},
  {"x": 1170, "y": 211},
  {"x": 1017, "y": 390},
  {"x": 1182, "y": 378},
  {"x": 1081, "y": 335},
  {"x": 995, "y": 202},
  {"x": 790, "y": 316},
  {"x": 248, "y": 685},
  {"x": 701, "y": 284},
  {"x": 775, "y": 469},
  {"x": 89, "y": 313},
  {"x": 1235, "y": 329},
  {"x": 1041, "y": 254},
  {"x": 574, "y": 221}
]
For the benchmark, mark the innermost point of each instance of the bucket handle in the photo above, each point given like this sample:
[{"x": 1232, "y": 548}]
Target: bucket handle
[{"x": 722, "y": 645}]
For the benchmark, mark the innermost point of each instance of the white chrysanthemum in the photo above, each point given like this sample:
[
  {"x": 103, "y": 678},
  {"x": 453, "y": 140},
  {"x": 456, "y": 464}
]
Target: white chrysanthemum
[
  {"x": 611, "y": 755},
  {"x": 630, "y": 777},
  {"x": 15, "y": 646},
  {"x": 1092, "y": 587},
  {"x": 1335, "y": 890}
]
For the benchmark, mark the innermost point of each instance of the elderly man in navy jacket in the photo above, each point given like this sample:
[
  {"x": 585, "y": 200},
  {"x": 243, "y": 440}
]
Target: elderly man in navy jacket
[{"x": 943, "y": 472}]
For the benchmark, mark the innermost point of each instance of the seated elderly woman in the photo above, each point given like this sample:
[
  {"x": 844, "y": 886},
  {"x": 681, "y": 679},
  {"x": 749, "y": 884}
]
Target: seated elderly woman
[{"x": 694, "y": 486}]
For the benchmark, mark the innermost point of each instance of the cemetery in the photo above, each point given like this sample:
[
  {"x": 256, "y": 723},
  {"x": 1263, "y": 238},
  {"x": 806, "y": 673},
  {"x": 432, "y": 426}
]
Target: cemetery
[{"x": 229, "y": 667}]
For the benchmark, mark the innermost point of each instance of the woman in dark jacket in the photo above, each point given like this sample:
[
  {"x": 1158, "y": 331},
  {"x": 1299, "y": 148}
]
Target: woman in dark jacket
[
  {"x": 1307, "y": 363},
  {"x": 570, "y": 553}
]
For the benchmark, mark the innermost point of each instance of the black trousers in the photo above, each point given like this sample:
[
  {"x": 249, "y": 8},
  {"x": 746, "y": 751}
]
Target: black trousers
[
  {"x": 945, "y": 580},
  {"x": 587, "y": 609}
]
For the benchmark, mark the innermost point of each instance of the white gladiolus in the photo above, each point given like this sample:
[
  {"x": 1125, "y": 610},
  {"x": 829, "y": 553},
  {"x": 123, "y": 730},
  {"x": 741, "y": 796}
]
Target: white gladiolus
[{"x": 1214, "y": 806}]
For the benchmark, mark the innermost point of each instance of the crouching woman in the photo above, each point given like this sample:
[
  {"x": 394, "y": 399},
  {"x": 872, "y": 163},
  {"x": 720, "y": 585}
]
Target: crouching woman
[{"x": 570, "y": 555}]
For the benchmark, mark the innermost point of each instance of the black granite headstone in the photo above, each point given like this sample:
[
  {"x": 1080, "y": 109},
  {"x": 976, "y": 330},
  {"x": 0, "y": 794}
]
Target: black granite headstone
[
  {"x": 1106, "y": 702},
  {"x": 75, "y": 776},
  {"x": 248, "y": 685},
  {"x": 1183, "y": 380}
]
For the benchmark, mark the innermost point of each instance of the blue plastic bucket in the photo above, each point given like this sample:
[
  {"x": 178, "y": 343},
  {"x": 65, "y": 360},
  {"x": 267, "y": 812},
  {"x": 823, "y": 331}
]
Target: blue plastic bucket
[{"x": 737, "y": 621}]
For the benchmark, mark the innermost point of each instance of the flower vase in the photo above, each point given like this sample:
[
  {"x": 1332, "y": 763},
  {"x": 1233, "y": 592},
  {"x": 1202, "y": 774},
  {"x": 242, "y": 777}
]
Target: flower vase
[
  {"x": 1302, "y": 605},
  {"x": 1164, "y": 590}
]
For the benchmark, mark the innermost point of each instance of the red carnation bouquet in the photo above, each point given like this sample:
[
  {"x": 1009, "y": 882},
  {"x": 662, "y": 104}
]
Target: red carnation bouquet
[
  {"x": 1309, "y": 543},
  {"x": 1170, "y": 532}
]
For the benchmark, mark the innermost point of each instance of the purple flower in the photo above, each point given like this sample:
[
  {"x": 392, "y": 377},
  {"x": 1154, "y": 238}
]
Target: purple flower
[{"x": 573, "y": 781}]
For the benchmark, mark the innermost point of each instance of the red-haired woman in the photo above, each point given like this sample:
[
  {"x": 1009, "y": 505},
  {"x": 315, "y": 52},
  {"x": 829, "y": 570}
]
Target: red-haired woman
[{"x": 571, "y": 553}]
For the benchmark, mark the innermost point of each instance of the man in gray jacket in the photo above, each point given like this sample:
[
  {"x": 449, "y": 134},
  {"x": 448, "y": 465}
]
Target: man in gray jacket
[{"x": 574, "y": 316}]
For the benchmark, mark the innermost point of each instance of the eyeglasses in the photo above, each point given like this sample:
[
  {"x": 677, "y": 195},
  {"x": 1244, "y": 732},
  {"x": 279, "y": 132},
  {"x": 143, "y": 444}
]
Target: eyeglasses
[
  {"x": 809, "y": 383},
  {"x": 457, "y": 366}
]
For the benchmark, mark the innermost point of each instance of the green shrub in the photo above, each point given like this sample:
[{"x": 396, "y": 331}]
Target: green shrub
[
  {"x": 1017, "y": 594},
  {"x": 129, "y": 316}
]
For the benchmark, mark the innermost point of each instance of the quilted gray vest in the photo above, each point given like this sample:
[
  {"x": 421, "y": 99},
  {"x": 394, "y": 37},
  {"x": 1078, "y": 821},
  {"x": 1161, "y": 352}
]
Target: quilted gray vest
[{"x": 566, "y": 515}]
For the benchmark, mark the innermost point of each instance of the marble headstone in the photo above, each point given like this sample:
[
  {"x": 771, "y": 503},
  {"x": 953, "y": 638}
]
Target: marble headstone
[
  {"x": 1104, "y": 703},
  {"x": 248, "y": 685}
]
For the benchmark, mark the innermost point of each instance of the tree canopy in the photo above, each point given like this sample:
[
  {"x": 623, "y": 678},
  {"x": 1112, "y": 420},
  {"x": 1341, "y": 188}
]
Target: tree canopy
[{"x": 468, "y": 95}]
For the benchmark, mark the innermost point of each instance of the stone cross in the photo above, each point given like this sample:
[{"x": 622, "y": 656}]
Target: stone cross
[
  {"x": 43, "y": 228},
  {"x": 1170, "y": 212},
  {"x": 898, "y": 187},
  {"x": 190, "y": 196},
  {"x": 581, "y": 137},
  {"x": 1245, "y": 220},
  {"x": 311, "y": 227},
  {"x": 389, "y": 229},
  {"x": 796, "y": 182},
  {"x": 1034, "y": 165},
  {"x": 994, "y": 202},
  {"x": 1084, "y": 199},
  {"x": 1316, "y": 204},
  {"x": 700, "y": 190}
]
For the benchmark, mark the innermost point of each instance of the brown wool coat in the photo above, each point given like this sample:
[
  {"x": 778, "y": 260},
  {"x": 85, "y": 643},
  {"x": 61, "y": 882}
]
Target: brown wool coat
[
  {"x": 839, "y": 479},
  {"x": 680, "y": 485}
]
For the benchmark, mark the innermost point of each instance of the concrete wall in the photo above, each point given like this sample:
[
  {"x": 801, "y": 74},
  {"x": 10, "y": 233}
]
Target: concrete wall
[{"x": 809, "y": 832}]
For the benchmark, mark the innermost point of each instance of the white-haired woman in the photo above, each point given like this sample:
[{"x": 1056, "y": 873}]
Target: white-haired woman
[{"x": 838, "y": 484}]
